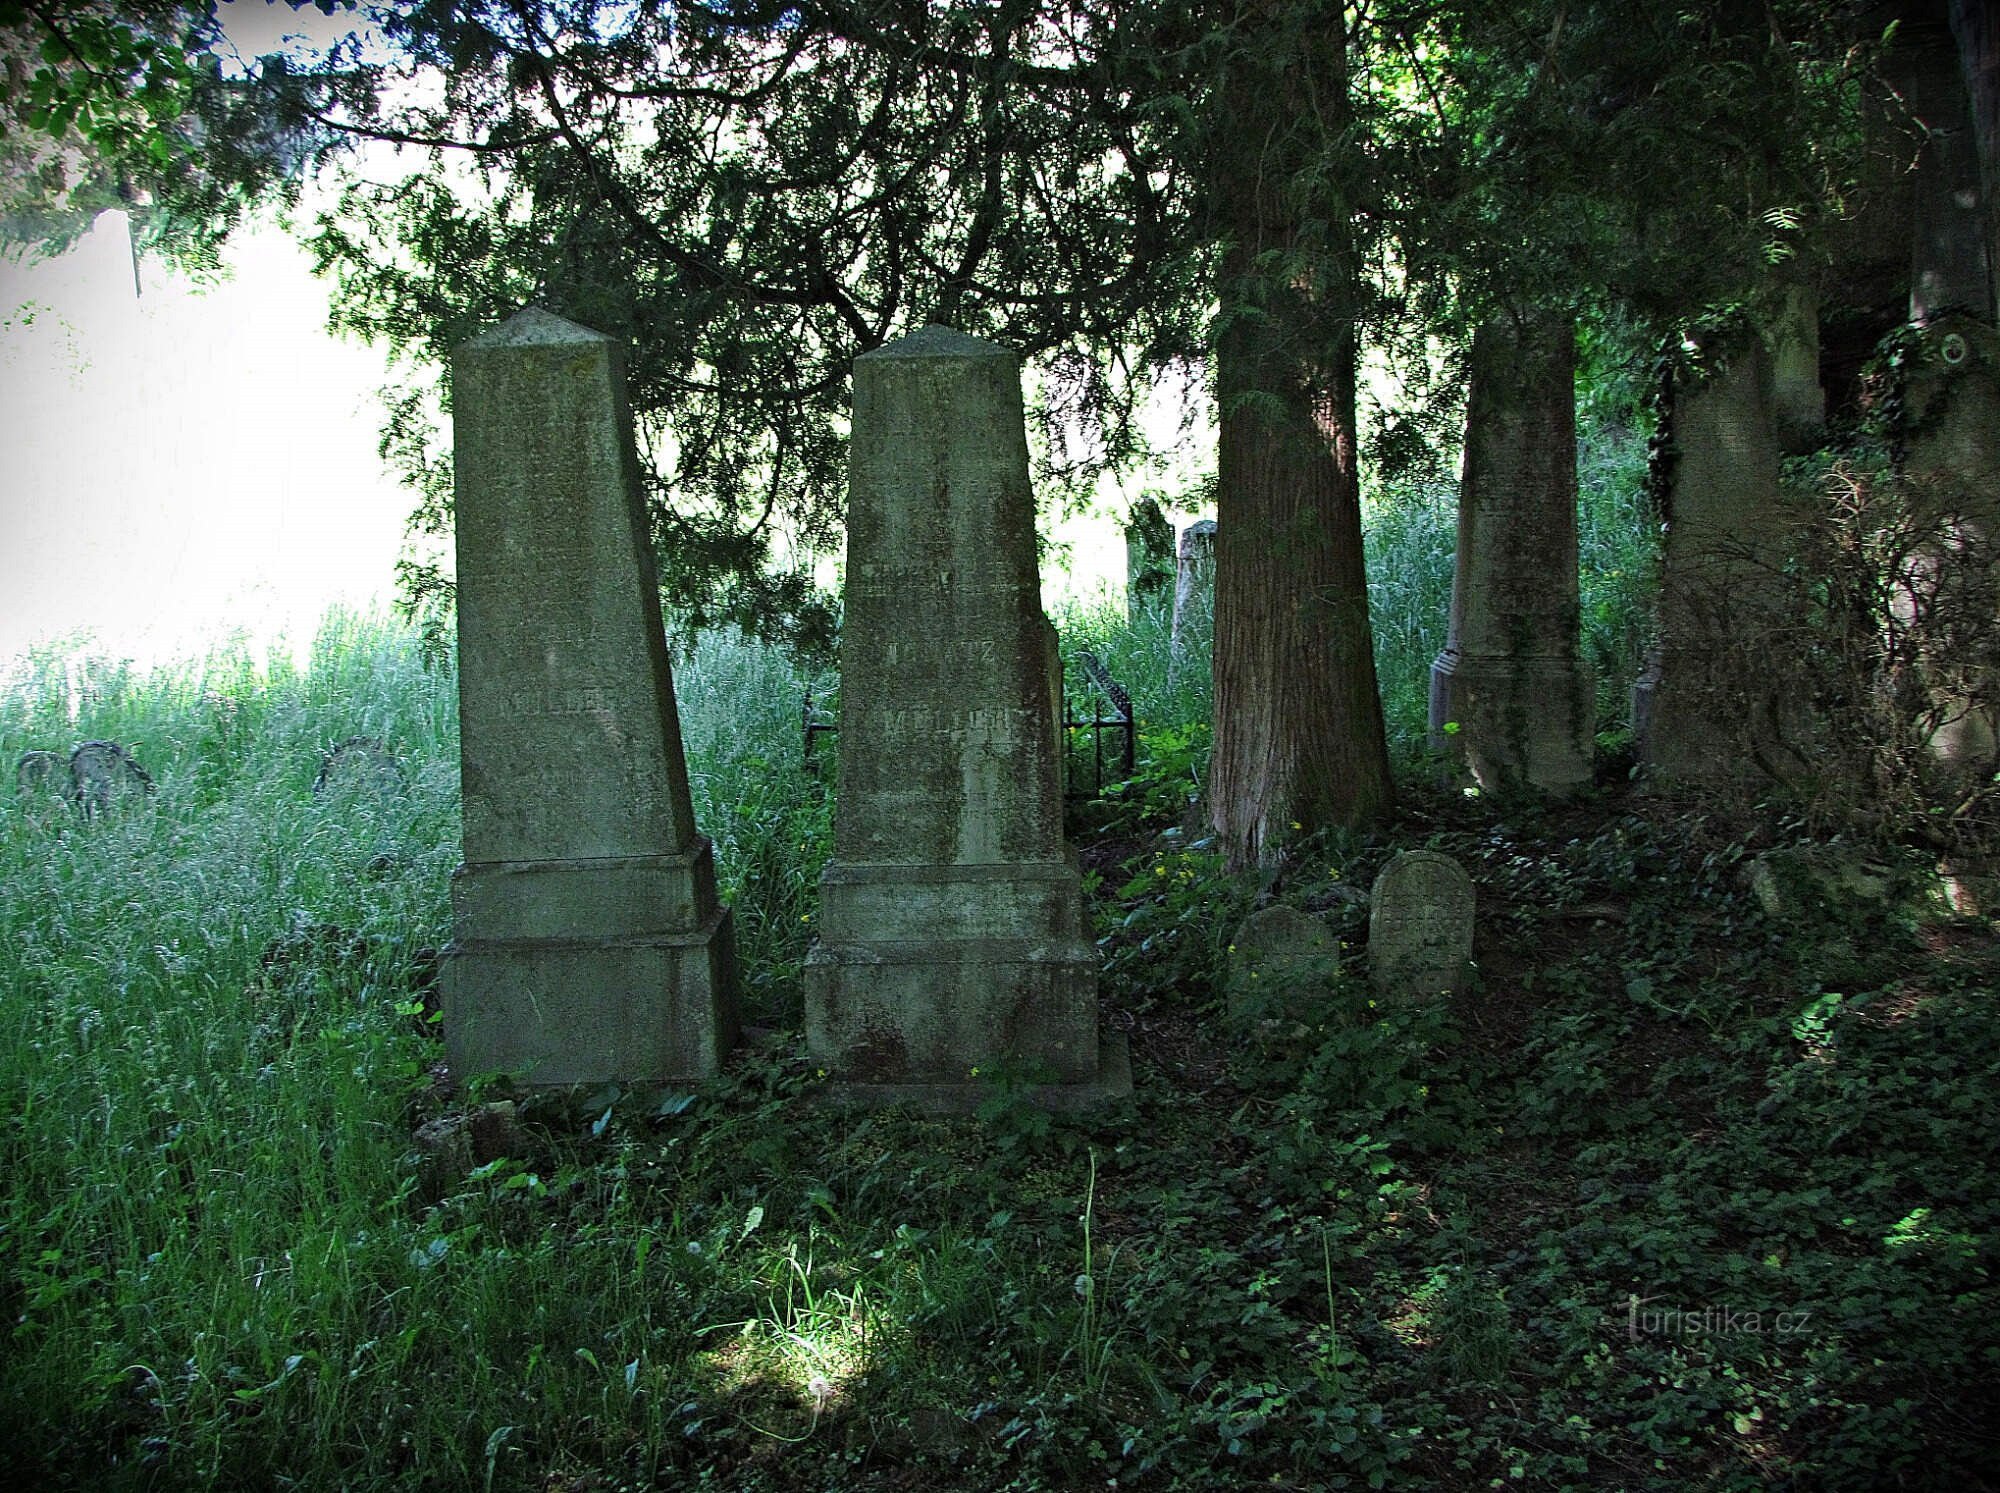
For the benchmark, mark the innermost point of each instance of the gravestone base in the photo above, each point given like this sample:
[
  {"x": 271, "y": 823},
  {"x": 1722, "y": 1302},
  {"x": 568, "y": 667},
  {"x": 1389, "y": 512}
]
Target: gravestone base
[
  {"x": 1112, "y": 1080},
  {"x": 1523, "y": 722},
  {"x": 622, "y": 896},
  {"x": 931, "y": 1012},
  {"x": 925, "y": 972},
  {"x": 578, "y": 1009},
  {"x": 891, "y": 1025}
]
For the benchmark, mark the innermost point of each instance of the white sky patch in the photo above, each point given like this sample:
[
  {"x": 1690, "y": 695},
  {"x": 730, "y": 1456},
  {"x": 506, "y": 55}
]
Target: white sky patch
[
  {"x": 189, "y": 462},
  {"x": 181, "y": 463}
]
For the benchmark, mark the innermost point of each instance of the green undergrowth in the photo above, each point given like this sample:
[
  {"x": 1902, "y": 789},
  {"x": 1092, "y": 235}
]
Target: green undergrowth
[{"x": 1679, "y": 1195}]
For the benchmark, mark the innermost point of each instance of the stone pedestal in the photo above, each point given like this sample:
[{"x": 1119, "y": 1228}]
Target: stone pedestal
[
  {"x": 1194, "y": 576},
  {"x": 1510, "y": 678},
  {"x": 588, "y": 944},
  {"x": 951, "y": 919},
  {"x": 1710, "y": 709}
]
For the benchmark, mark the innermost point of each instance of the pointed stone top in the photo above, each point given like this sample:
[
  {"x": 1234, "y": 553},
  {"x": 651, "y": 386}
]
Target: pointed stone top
[
  {"x": 939, "y": 342},
  {"x": 534, "y": 327}
]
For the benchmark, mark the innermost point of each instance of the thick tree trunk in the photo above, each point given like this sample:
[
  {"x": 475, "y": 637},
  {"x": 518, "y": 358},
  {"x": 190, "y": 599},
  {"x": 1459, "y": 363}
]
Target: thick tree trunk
[
  {"x": 1298, "y": 724},
  {"x": 1977, "y": 28},
  {"x": 1949, "y": 267}
]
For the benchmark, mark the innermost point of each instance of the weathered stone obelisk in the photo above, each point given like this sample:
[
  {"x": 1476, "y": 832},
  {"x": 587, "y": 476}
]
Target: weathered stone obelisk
[
  {"x": 951, "y": 915},
  {"x": 587, "y": 941},
  {"x": 1511, "y": 677},
  {"x": 1709, "y": 709}
]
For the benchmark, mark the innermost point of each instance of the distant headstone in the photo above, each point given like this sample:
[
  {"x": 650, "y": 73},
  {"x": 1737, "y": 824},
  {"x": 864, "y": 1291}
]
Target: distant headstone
[
  {"x": 359, "y": 765},
  {"x": 1791, "y": 883},
  {"x": 1420, "y": 927},
  {"x": 1511, "y": 696},
  {"x": 1194, "y": 577},
  {"x": 1149, "y": 558},
  {"x": 102, "y": 772},
  {"x": 588, "y": 943},
  {"x": 41, "y": 779},
  {"x": 1280, "y": 948},
  {"x": 951, "y": 916}
]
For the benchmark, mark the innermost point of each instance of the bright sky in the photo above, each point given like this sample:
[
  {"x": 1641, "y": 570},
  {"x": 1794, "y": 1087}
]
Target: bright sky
[{"x": 179, "y": 462}]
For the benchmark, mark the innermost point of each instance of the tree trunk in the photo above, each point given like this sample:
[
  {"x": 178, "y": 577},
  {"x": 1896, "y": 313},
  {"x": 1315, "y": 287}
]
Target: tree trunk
[
  {"x": 1949, "y": 269},
  {"x": 1299, "y": 743},
  {"x": 1977, "y": 28}
]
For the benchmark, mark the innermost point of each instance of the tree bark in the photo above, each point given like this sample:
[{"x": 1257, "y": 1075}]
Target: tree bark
[
  {"x": 1299, "y": 742},
  {"x": 1977, "y": 29}
]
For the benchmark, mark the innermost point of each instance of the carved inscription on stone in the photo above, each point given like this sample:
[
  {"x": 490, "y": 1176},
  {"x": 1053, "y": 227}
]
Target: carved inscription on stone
[
  {"x": 588, "y": 944},
  {"x": 1420, "y": 927},
  {"x": 951, "y": 930}
]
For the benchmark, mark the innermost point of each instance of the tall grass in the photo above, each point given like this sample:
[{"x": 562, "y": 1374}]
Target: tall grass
[
  {"x": 210, "y": 1067},
  {"x": 221, "y": 1264},
  {"x": 757, "y": 797},
  {"x": 1410, "y": 535}
]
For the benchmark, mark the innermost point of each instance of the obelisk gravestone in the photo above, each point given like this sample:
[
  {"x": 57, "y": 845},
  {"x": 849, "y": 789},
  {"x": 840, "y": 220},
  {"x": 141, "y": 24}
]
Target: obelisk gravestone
[
  {"x": 1511, "y": 693},
  {"x": 588, "y": 944},
  {"x": 1709, "y": 709},
  {"x": 951, "y": 917}
]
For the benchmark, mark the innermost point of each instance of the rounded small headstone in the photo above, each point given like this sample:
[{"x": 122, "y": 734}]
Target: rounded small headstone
[
  {"x": 101, "y": 772},
  {"x": 1280, "y": 948},
  {"x": 359, "y": 766},
  {"x": 1420, "y": 927}
]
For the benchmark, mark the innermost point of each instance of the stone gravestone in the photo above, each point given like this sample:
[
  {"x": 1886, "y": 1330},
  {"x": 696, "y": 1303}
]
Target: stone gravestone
[
  {"x": 1511, "y": 678},
  {"x": 951, "y": 916},
  {"x": 41, "y": 780},
  {"x": 1283, "y": 949},
  {"x": 1952, "y": 458},
  {"x": 1420, "y": 927},
  {"x": 359, "y": 766},
  {"x": 1709, "y": 709},
  {"x": 588, "y": 944},
  {"x": 102, "y": 772},
  {"x": 1194, "y": 577},
  {"x": 1149, "y": 558}
]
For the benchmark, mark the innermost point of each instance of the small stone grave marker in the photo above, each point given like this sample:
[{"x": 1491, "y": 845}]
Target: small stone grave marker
[
  {"x": 1420, "y": 927},
  {"x": 103, "y": 771},
  {"x": 1280, "y": 948}
]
